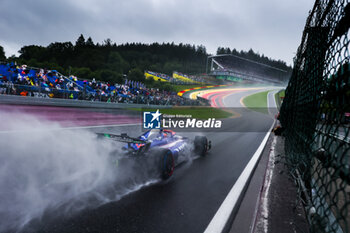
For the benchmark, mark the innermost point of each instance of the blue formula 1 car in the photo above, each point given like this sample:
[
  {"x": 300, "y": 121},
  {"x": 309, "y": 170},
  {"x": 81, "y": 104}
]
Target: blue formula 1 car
[{"x": 163, "y": 147}]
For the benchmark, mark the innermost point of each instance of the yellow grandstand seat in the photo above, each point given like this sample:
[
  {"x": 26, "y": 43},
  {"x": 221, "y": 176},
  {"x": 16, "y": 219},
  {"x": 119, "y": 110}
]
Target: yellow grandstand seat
[{"x": 156, "y": 78}]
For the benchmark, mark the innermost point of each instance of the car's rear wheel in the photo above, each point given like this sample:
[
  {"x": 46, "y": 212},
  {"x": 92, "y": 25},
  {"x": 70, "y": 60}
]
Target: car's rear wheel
[
  {"x": 163, "y": 162},
  {"x": 167, "y": 164},
  {"x": 200, "y": 145}
]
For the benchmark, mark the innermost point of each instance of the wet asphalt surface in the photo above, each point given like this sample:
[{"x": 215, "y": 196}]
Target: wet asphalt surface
[{"x": 184, "y": 203}]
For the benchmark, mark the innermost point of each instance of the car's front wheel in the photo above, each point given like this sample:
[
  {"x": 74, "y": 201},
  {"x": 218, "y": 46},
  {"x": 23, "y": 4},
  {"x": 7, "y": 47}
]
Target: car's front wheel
[{"x": 201, "y": 145}]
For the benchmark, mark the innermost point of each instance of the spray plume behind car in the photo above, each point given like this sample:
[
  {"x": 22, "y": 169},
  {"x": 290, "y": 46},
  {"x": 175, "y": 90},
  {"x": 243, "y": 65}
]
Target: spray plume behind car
[{"x": 45, "y": 168}]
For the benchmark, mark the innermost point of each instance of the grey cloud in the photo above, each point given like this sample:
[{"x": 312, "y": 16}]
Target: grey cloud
[{"x": 271, "y": 27}]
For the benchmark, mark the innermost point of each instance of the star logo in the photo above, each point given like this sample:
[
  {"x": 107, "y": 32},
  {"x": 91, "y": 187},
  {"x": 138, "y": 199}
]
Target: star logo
[
  {"x": 151, "y": 120},
  {"x": 156, "y": 115}
]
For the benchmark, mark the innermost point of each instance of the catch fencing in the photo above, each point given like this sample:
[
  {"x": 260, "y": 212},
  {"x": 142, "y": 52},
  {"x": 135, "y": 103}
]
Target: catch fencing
[{"x": 316, "y": 117}]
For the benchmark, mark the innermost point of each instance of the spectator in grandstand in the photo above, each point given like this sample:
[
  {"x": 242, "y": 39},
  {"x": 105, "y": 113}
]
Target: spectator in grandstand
[{"x": 45, "y": 83}]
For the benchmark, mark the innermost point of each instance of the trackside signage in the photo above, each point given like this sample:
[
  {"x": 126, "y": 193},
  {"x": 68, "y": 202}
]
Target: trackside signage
[{"x": 156, "y": 120}]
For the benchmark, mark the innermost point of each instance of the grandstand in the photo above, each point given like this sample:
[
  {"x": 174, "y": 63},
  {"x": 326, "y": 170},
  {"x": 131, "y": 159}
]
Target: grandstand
[
  {"x": 157, "y": 76},
  {"x": 36, "y": 82},
  {"x": 185, "y": 78},
  {"x": 176, "y": 78},
  {"x": 234, "y": 68}
]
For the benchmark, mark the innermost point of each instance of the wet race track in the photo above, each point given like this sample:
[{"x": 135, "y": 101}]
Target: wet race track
[{"x": 66, "y": 182}]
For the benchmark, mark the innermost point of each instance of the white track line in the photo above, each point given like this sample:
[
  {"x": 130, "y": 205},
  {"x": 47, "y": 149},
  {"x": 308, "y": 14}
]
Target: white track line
[
  {"x": 221, "y": 217},
  {"x": 217, "y": 224},
  {"x": 66, "y": 128},
  {"x": 272, "y": 93},
  {"x": 267, "y": 184}
]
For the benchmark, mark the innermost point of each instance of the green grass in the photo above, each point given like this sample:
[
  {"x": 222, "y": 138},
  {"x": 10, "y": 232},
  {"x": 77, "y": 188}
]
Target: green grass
[
  {"x": 257, "y": 102},
  {"x": 196, "y": 112},
  {"x": 278, "y": 97},
  {"x": 282, "y": 93},
  {"x": 178, "y": 88}
]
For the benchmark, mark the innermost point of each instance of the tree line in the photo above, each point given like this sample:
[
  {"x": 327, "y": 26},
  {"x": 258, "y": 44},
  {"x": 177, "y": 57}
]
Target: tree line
[{"x": 108, "y": 61}]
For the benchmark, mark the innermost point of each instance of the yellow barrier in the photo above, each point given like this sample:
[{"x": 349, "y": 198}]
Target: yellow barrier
[
  {"x": 183, "y": 78},
  {"x": 156, "y": 78}
]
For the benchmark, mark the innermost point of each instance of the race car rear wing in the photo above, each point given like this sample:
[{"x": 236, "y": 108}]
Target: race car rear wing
[{"x": 122, "y": 138}]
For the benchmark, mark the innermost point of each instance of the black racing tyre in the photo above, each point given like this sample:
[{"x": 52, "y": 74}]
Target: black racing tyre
[
  {"x": 165, "y": 162},
  {"x": 200, "y": 145}
]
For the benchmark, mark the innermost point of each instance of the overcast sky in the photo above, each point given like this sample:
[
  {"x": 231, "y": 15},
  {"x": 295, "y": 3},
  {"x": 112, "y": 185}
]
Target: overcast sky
[{"x": 271, "y": 27}]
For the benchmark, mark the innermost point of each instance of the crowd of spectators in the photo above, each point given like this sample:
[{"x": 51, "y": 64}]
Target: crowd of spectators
[
  {"x": 192, "y": 79},
  {"x": 22, "y": 80},
  {"x": 198, "y": 78},
  {"x": 25, "y": 81},
  {"x": 160, "y": 75},
  {"x": 166, "y": 77}
]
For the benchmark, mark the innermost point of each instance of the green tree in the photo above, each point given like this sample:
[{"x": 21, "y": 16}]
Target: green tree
[
  {"x": 2, "y": 54},
  {"x": 149, "y": 82},
  {"x": 169, "y": 67},
  {"x": 155, "y": 67},
  {"x": 108, "y": 42},
  {"x": 157, "y": 84},
  {"x": 80, "y": 41},
  {"x": 32, "y": 51},
  {"x": 83, "y": 73},
  {"x": 220, "y": 50},
  {"x": 117, "y": 63},
  {"x": 110, "y": 76},
  {"x": 59, "y": 52},
  {"x": 136, "y": 74},
  {"x": 167, "y": 87},
  {"x": 129, "y": 58},
  {"x": 201, "y": 49},
  {"x": 89, "y": 42},
  {"x": 33, "y": 62}
]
